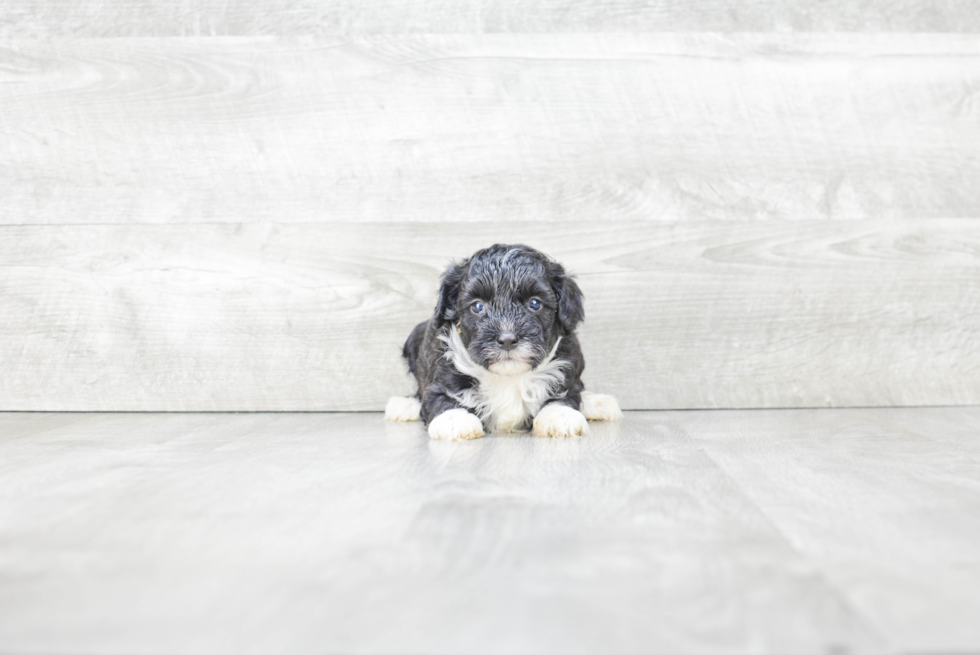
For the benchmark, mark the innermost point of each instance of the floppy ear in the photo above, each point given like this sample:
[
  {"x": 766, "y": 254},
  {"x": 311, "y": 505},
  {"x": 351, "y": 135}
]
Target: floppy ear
[
  {"x": 571, "y": 311},
  {"x": 449, "y": 292}
]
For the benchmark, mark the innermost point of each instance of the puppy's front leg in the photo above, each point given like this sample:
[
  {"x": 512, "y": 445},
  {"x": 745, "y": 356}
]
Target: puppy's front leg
[
  {"x": 456, "y": 424},
  {"x": 561, "y": 417},
  {"x": 557, "y": 419},
  {"x": 447, "y": 420}
]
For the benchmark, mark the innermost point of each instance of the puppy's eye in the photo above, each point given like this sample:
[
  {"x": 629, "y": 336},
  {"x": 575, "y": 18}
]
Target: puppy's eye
[
  {"x": 477, "y": 307},
  {"x": 534, "y": 304}
]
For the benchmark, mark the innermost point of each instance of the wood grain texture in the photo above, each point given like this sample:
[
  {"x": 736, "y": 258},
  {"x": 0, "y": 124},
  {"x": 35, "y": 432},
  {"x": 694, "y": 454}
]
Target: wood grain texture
[
  {"x": 887, "y": 501},
  {"x": 490, "y": 127},
  {"x": 90, "y": 18},
  {"x": 312, "y": 317},
  {"x": 317, "y": 533}
]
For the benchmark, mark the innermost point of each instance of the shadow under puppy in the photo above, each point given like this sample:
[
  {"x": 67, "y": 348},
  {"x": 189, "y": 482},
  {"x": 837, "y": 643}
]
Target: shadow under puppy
[{"x": 500, "y": 352}]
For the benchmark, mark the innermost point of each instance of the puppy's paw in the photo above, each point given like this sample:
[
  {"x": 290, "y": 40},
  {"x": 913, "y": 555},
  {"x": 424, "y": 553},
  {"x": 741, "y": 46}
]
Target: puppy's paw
[
  {"x": 600, "y": 407},
  {"x": 402, "y": 409},
  {"x": 456, "y": 424},
  {"x": 557, "y": 420}
]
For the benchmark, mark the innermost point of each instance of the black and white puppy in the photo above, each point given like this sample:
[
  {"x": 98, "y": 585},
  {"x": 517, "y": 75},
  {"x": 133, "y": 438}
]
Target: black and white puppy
[{"x": 500, "y": 352}]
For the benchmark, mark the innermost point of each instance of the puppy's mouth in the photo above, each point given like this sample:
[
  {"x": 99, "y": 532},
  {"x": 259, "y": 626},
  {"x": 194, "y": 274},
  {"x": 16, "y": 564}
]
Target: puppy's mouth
[
  {"x": 509, "y": 365},
  {"x": 512, "y": 362}
]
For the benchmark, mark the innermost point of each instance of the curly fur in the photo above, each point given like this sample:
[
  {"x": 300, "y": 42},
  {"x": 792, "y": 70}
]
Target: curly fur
[{"x": 501, "y": 345}]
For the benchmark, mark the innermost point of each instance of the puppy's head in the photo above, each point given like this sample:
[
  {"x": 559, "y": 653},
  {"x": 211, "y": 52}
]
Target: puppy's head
[{"x": 510, "y": 305}]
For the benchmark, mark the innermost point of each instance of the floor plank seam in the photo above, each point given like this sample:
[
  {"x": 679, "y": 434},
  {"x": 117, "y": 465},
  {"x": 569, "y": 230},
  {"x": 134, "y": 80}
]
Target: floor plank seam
[{"x": 873, "y": 631}]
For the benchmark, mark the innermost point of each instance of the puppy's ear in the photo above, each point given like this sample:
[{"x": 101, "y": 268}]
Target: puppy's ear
[
  {"x": 449, "y": 292},
  {"x": 571, "y": 311}
]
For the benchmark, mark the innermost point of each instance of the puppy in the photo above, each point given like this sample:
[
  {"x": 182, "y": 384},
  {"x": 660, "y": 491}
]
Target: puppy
[{"x": 500, "y": 352}]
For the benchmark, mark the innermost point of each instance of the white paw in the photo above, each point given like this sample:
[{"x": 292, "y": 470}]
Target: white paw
[
  {"x": 456, "y": 424},
  {"x": 556, "y": 420},
  {"x": 402, "y": 409},
  {"x": 600, "y": 407}
]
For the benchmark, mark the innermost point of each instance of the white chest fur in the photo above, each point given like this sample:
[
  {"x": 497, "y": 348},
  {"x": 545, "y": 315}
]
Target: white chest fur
[
  {"x": 505, "y": 402},
  {"x": 500, "y": 400}
]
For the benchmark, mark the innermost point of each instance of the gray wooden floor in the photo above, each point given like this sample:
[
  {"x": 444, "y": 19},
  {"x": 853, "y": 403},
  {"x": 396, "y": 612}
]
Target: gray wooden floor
[{"x": 711, "y": 531}]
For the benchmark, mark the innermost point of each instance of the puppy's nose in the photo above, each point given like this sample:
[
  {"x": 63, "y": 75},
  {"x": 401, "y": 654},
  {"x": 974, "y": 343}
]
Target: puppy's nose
[{"x": 507, "y": 340}]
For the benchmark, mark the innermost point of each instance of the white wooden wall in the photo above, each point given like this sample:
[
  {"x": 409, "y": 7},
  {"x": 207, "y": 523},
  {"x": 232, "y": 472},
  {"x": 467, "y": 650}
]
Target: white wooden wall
[{"x": 246, "y": 206}]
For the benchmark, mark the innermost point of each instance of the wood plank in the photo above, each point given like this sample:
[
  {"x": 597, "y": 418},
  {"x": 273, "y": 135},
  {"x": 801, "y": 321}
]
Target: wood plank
[
  {"x": 887, "y": 502},
  {"x": 312, "y": 317},
  {"x": 490, "y": 128},
  {"x": 90, "y": 18},
  {"x": 335, "y": 533}
]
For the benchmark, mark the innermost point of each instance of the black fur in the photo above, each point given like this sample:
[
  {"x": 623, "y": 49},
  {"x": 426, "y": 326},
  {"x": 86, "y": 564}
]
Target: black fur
[{"x": 505, "y": 278}]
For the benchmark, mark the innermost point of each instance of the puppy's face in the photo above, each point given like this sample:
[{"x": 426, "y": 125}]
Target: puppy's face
[{"x": 510, "y": 304}]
